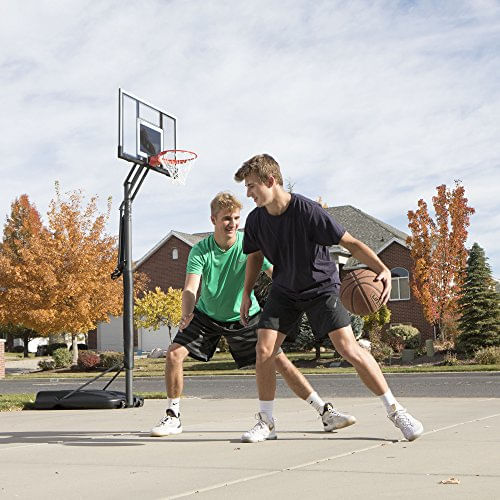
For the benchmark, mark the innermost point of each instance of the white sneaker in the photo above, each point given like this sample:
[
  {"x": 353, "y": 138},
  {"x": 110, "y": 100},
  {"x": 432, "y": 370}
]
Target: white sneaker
[
  {"x": 409, "y": 426},
  {"x": 262, "y": 430},
  {"x": 169, "y": 424},
  {"x": 333, "y": 419}
]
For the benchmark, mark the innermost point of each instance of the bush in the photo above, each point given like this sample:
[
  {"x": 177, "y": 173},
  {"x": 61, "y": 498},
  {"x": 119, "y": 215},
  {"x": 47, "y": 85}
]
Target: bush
[
  {"x": 18, "y": 348},
  {"x": 450, "y": 359},
  {"x": 88, "y": 360},
  {"x": 52, "y": 347},
  {"x": 223, "y": 345},
  {"x": 62, "y": 357},
  {"x": 380, "y": 350},
  {"x": 408, "y": 335},
  {"x": 397, "y": 343},
  {"x": 110, "y": 358},
  {"x": 46, "y": 364},
  {"x": 357, "y": 323},
  {"x": 487, "y": 356}
]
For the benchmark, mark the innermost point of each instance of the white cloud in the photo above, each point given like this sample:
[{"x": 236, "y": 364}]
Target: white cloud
[{"x": 372, "y": 104}]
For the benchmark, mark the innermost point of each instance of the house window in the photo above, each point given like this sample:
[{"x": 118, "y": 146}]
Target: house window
[
  {"x": 175, "y": 254},
  {"x": 400, "y": 284}
]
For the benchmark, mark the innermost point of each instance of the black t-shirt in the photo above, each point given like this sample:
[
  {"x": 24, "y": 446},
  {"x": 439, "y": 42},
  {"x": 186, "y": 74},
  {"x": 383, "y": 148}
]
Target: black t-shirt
[{"x": 296, "y": 242}]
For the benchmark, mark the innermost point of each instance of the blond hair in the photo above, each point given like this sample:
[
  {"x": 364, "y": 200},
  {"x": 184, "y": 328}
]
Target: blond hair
[
  {"x": 263, "y": 166},
  {"x": 224, "y": 201}
]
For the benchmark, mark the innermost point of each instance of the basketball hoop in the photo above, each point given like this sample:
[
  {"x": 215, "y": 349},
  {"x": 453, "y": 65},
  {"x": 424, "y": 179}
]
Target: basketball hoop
[{"x": 177, "y": 162}]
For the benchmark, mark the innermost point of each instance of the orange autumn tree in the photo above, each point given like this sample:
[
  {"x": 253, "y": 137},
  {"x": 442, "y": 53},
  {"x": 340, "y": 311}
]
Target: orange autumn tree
[
  {"x": 438, "y": 250},
  {"x": 61, "y": 282},
  {"x": 23, "y": 223}
]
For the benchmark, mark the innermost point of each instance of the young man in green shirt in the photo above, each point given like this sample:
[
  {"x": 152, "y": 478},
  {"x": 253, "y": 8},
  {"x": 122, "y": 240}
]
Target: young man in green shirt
[{"x": 220, "y": 261}]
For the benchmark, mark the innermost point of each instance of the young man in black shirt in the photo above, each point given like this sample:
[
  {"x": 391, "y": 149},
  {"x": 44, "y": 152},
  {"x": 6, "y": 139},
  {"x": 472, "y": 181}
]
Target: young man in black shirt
[{"x": 294, "y": 233}]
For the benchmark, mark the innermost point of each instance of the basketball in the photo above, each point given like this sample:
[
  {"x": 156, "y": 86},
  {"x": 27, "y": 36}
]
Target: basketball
[{"x": 360, "y": 293}]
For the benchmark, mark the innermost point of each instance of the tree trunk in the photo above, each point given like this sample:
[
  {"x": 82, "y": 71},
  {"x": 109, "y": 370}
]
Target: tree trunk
[
  {"x": 317, "y": 347},
  {"x": 26, "y": 340},
  {"x": 74, "y": 343}
]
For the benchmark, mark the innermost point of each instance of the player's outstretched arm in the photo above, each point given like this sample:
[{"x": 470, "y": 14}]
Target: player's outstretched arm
[
  {"x": 191, "y": 286},
  {"x": 252, "y": 270},
  {"x": 367, "y": 256}
]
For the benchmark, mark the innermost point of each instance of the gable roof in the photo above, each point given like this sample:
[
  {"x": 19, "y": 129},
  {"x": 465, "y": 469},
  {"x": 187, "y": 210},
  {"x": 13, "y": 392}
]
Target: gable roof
[
  {"x": 373, "y": 232},
  {"x": 370, "y": 230},
  {"x": 189, "y": 239}
]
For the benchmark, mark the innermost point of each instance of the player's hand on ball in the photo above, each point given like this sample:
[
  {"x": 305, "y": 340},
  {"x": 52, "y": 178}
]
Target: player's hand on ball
[
  {"x": 246, "y": 302},
  {"x": 185, "y": 320},
  {"x": 385, "y": 278}
]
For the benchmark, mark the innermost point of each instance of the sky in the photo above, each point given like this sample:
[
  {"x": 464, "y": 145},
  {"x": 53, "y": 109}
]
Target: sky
[{"x": 364, "y": 103}]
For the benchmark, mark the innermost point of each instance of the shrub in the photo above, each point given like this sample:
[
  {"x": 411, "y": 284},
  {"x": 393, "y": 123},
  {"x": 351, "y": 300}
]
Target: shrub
[
  {"x": 46, "y": 364},
  {"x": 357, "y": 323},
  {"x": 444, "y": 345},
  {"x": 52, "y": 347},
  {"x": 87, "y": 360},
  {"x": 450, "y": 359},
  {"x": 223, "y": 345},
  {"x": 110, "y": 358},
  {"x": 380, "y": 350},
  {"x": 397, "y": 343},
  {"x": 487, "y": 356},
  {"x": 407, "y": 334},
  {"x": 62, "y": 357}
]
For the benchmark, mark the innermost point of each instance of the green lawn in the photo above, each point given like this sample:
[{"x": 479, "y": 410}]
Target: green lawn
[{"x": 222, "y": 364}]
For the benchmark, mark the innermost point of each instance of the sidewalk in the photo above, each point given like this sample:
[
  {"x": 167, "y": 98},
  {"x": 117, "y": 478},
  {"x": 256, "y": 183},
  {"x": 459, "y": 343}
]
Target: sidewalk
[{"x": 108, "y": 454}]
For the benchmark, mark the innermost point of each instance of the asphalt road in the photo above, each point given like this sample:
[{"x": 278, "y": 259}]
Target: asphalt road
[{"x": 439, "y": 385}]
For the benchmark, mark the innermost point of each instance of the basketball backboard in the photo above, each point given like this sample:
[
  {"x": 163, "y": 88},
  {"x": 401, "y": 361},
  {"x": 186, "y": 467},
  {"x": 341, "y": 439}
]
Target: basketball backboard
[{"x": 143, "y": 129}]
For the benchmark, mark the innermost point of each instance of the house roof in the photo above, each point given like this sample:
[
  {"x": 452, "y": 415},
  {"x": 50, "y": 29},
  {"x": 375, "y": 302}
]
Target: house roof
[{"x": 370, "y": 230}]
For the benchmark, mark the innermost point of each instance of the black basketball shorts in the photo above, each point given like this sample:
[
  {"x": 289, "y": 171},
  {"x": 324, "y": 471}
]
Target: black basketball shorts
[
  {"x": 282, "y": 313},
  {"x": 202, "y": 335}
]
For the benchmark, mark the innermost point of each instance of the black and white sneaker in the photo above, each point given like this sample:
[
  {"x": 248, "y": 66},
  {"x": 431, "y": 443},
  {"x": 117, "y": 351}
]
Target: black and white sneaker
[
  {"x": 333, "y": 419},
  {"x": 169, "y": 424}
]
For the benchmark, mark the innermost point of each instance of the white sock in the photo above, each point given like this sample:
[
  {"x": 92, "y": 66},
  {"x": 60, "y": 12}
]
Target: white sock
[
  {"x": 390, "y": 402},
  {"x": 174, "y": 404},
  {"x": 267, "y": 408},
  {"x": 316, "y": 402}
]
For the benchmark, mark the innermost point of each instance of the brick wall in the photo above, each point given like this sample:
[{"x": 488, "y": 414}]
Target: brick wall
[
  {"x": 2, "y": 358},
  {"x": 405, "y": 311},
  {"x": 163, "y": 270}
]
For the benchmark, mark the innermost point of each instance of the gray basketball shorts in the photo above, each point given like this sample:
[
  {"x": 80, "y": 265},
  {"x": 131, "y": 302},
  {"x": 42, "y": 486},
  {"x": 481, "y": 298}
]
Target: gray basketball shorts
[
  {"x": 202, "y": 335},
  {"x": 324, "y": 312}
]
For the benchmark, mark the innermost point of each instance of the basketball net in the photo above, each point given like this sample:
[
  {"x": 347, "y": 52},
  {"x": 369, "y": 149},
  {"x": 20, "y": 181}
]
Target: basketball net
[{"x": 177, "y": 162}]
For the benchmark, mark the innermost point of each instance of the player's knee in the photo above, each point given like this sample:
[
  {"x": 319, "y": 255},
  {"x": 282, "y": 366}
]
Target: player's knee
[
  {"x": 351, "y": 352},
  {"x": 175, "y": 355},
  {"x": 263, "y": 352}
]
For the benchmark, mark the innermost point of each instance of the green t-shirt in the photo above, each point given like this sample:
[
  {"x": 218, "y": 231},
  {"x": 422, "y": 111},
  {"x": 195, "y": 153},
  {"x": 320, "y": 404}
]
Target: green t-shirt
[{"x": 223, "y": 277}]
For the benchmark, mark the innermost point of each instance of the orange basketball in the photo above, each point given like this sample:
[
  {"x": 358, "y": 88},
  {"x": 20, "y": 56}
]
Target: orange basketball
[{"x": 360, "y": 293}]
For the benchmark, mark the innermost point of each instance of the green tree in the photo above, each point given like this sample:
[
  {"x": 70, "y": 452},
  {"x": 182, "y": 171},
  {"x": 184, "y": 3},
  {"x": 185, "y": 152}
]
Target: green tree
[
  {"x": 479, "y": 324},
  {"x": 158, "y": 309}
]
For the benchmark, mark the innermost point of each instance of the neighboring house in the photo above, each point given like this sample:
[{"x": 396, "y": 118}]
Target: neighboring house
[
  {"x": 389, "y": 244},
  {"x": 165, "y": 265}
]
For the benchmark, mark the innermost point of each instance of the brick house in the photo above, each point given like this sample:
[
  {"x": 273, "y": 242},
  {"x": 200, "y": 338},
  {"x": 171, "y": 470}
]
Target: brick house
[
  {"x": 389, "y": 244},
  {"x": 165, "y": 263}
]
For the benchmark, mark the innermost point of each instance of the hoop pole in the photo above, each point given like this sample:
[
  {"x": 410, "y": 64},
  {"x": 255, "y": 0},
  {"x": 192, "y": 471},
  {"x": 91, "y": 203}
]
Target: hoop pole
[
  {"x": 128, "y": 277},
  {"x": 128, "y": 294}
]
